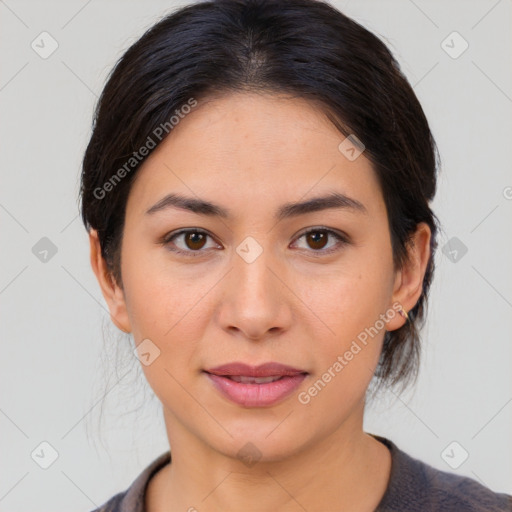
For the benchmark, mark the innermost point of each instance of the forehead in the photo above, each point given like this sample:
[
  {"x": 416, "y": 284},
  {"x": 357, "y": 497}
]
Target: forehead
[{"x": 248, "y": 148}]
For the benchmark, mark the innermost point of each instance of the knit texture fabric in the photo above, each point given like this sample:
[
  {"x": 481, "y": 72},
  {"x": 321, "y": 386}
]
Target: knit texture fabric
[{"x": 413, "y": 486}]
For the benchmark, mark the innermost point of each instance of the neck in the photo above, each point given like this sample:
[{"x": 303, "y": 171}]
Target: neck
[{"x": 346, "y": 470}]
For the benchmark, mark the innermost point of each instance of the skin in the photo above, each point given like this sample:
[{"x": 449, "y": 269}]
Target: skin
[{"x": 251, "y": 153}]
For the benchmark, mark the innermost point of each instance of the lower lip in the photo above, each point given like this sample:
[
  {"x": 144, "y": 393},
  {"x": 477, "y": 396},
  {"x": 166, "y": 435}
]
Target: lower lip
[{"x": 257, "y": 395}]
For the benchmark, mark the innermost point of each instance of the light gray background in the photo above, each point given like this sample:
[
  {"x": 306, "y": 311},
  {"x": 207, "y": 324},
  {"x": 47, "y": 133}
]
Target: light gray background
[{"x": 55, "y": 327}]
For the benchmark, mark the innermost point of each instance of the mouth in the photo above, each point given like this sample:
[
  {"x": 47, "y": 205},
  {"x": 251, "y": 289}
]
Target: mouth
[
  {"x": 255, "y": 386},
  {"x": 244, "y": 379}
]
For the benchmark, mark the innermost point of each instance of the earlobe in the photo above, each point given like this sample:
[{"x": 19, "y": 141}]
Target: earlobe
[
  {"x": 408, "y": 285},
  {"x": 112, "y": 293}
]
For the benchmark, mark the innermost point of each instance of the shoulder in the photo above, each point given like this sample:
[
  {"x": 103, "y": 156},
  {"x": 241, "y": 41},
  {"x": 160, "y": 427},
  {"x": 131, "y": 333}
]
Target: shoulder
[
  {"x": 417, "y": 486},
  {"x": 133, "y": 498},
  {"x": 113, "y": 504}
]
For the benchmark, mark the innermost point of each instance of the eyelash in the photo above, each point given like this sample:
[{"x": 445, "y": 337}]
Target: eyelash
[{"x": 342, "y": 241}]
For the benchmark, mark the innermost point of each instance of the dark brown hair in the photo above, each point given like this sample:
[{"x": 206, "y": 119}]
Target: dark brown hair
[{"x": 304, "y": 48}]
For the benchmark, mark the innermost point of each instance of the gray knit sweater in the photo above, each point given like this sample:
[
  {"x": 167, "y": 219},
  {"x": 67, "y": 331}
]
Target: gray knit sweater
[{"x": 413, "y": 487}]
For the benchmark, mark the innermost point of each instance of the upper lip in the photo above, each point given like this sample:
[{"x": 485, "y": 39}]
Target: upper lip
[{"x": 263, "y": 370}]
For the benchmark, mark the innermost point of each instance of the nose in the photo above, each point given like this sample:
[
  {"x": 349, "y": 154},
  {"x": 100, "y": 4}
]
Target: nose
[{"x": 255, "y": 301}]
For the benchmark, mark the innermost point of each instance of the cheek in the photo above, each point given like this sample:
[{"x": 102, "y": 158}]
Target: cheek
[
  {"x": 350, "y": 306},
  {"x": 160, "y": 297},
  {"x": 349, "y": 298},
  {"x": 172, "y": 309},
  {"x": 167, "y": 312},
  {"x": 346, "y": 358}
]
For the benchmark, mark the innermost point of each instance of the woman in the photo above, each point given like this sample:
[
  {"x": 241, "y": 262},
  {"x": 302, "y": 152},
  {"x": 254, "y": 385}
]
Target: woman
[{"x": 257, "y": 193}]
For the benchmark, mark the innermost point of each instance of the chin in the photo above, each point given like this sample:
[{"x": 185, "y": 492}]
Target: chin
[{"x": 259, "y": 441}]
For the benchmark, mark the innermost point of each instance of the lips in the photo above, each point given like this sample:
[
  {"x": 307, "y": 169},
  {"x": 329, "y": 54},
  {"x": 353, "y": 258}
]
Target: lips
[
  {"x": 255, "y": 386},
  {"x": 253, "y": 380},
  {"x": 263, "y": 370}
]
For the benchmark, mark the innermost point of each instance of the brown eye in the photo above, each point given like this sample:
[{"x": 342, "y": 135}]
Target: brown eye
[
  {"x": 194, "y": 240},
  {"x": 318, "y": 240},
  {"x": 189, "y": 242}
]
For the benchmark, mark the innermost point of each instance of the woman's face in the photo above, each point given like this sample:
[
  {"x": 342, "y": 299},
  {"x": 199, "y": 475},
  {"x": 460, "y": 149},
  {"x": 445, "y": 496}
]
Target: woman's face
[{"x": 249, "y": 286}]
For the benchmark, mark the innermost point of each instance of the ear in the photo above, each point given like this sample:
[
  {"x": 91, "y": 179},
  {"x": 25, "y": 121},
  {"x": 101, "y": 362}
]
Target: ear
[
  {"x": 112, "y": 293},
  {"x": 408, "y": 284}
]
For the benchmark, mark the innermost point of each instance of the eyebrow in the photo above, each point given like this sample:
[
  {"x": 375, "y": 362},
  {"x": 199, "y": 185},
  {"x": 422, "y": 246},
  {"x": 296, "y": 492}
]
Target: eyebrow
[{"x": 334, "y": 200}]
